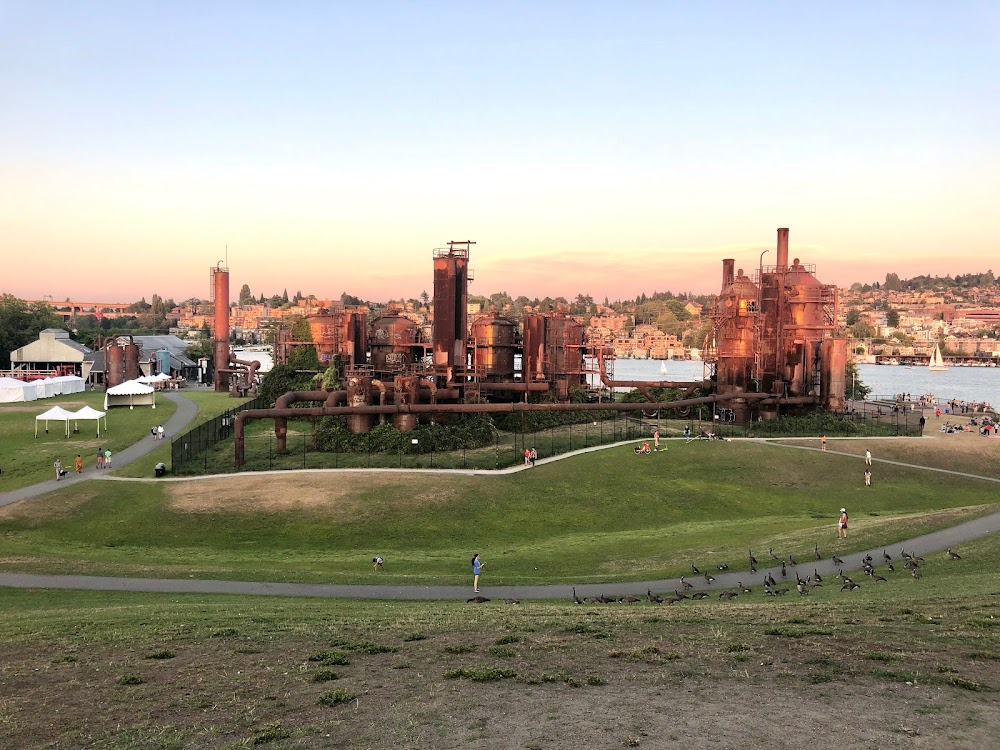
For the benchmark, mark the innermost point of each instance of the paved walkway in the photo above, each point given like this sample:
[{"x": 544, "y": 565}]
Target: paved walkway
[
  {"x": 183, "y": 415},
  {"x": 927, "y": 544}
]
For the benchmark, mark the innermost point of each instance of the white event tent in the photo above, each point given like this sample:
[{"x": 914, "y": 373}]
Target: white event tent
[
  {"x": 55, "y": 414},
  {"x": 130, "y": 393},
  {"x": 87, "y": 413},
  {"x": 12, "y": 390},
  {"x": 68, "y": 384}
]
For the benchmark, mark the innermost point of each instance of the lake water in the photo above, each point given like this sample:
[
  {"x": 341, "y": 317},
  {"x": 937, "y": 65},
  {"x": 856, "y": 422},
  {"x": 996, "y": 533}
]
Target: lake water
[{"x": 962, "y": 383}]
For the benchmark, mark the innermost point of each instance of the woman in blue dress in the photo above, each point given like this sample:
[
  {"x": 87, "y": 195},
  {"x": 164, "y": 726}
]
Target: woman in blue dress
[{"x": 477, "y": 566}]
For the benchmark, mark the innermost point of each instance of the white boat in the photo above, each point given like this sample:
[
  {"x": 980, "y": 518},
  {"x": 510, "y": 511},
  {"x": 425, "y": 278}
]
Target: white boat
[
  {"x": 937, "y": 361},
  {"x": 663, "y": 368}
]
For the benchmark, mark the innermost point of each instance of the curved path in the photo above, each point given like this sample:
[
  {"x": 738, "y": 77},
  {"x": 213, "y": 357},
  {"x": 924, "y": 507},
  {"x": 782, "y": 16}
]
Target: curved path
[
  {"x": 922, "y": 545},
  {"x": 183, "y": 415}
]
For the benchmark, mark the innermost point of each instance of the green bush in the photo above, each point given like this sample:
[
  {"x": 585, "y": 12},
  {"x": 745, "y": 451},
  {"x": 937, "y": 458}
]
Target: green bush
[{"x": 464, "y": 431}]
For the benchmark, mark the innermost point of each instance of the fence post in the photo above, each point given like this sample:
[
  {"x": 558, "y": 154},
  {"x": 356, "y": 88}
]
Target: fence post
[
  {"x": 303, "y": 451},
  {"x": 270, "y": 453}
]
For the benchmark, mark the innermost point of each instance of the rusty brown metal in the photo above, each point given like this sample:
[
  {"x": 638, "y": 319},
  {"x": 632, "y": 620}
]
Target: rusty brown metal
[
  {"x": 114, "y": 359},
  {"x": 493, "y": 340},
  {"x": 220, "y": 332},
  {"x": 394, "y": 343},
  {"x": 451, "y": 295},
  {"x": 285, "y": 400},
  {"x": 418, "y": 409},
  {"x": 782, "y": 252},
  {"x": 359, "y": 393},
  {"x": 728, "y": 264}
]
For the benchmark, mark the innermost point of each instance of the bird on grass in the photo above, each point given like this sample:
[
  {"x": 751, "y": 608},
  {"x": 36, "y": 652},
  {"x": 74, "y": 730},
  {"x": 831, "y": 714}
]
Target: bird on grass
[
  {"x": 685, "y": 584},
  {"x": 886, "y": 556},
  {"x": 694, "y": 569},
  {"x": 770, "y": 551},
  {"x": 911, "y": 564},
  {"x": 816, "y": 552},
  {"x": 576, "y": 599},
  {"x": 699, "y": 595},
  {"x": 801, "y": 588},
  {"x": 512, "y": 601},
  {"x": 753, "y": 568},
  {"x": 784, "y": 573},
  {"x": 744, "y": 589},
  {"x": 837, "y": 560},
  {"x": 791, "y": 561},
  {"x": 709, "y": 578},
  {"x": 680, "y": 596},
  {"x": 769, "y": 580},
  {"x": 477, "y": 600},
  {"x": 723, "y": 566},
  {"x": 753, "y": 560},
  {"x": 817, "y": 576},
  {"x": 850, "y": 586},
  {"x": 653, "y": 598},
  {"x": 915, "y": 574},
  {"x": 727, "y": 594},
  {"x": 953, "y": 555},
  {"x": 890, "y": 566},
  {"x": 593, "y": 600}
]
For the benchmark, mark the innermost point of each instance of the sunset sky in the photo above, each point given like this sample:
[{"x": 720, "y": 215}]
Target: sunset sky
[{"x": 603, "y": 148}]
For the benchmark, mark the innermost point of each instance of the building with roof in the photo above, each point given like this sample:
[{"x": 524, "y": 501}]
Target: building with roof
[
  {"x": 54, "y": 350},
  {"x": 166, "y": 354}
]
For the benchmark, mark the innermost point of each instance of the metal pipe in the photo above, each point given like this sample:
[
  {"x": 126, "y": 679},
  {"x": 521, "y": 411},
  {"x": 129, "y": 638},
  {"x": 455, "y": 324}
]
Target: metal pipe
[
  {"x": 323, "y": 411},
  {"x": 782, "y": 259},
  {"x": 515, "y": 387},
  {"x": 728, "y": 264},
  {"x": 283, "y": 402}
]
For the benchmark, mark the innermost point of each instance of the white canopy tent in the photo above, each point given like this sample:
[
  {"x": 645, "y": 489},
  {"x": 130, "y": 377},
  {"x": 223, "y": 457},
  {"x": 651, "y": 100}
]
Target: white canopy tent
[
  {"x": 87, "y": 413},
  {"x": 130, "y": 393},
  {"x": 13, "y": 390},
  {"x": 55, "y": 414},
  {"x": 45, "y": 388},
  {"x": 68, "y": 384}
]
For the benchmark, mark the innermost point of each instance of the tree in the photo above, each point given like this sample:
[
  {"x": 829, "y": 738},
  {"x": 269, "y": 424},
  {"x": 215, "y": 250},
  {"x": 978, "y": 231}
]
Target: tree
[
  {"x": 891, "y": 317},
  {"x": 157, "y": 308},
  {"x": 852, "y": 317},
  {"x": 20, "y": 324},
  {"x": 892, "y": 282},
  {"x": 302, "y": 357},
  {"x": 246, "y": 296},
  {"x": 862, "y": 330},
  {"x": 855, "y": 389},
  {"x": 284, "y": 297},
  {"x": 424, "y": 297}
]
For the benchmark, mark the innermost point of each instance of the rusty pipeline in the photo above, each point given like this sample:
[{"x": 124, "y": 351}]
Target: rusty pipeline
[
  {"x": 417, "y": 409},
  {"x": 285, "y": 400}
]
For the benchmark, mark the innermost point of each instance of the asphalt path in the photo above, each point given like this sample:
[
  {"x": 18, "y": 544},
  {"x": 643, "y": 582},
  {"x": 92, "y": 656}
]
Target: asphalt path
[
  {"x": 183, "y": 415},
  {"x": 927, "y": 544}
]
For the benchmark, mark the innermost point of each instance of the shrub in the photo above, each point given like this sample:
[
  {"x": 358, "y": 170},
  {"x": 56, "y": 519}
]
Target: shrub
[
  {"x": 335, "y": 698},
  {"x": 130, "y": 679}
]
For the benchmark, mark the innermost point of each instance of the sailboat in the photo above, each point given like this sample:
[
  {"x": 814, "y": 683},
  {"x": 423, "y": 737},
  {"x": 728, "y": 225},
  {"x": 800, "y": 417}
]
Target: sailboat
[
  {"x": 937, "y": 361},
  {"x": 663, "y": 368}
]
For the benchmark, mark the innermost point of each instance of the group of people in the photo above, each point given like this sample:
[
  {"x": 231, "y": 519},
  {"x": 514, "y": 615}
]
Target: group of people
[
  {"x": 157, "y": 432},
  {"x": 530, "y": 456},
  {"x": 103, "y": 462}
]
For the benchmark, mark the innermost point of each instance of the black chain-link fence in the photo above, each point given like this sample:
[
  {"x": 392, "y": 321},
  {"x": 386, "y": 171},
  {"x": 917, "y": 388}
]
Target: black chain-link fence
[{"x": 195, "y": 444}]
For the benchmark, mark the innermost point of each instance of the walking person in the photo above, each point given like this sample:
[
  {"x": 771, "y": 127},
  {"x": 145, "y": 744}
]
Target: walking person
[
  {"x": 822, "y": 442},
  {"x": 842, "y": 526},
  {"x": 378, "y": 563},
  {"x": 160, "y": 432},
  {"x": 868, "y": 477},
  {"x": 533, "y": 455},
  {"x": 477, "y": 568},
  {"x": 868, "y": 457},
  {"x": 107, "y": 458},
  {"x": 79, "y": 464},
  {"x": 59, "y": 470},
  {"x": 656, "y": 439},
  {"x": 527, "y": 457},
  {"x": 100, "y": 458}
]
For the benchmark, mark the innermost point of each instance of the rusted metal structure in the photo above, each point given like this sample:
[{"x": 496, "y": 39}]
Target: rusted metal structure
[
  {"x": 776, "y": 333},
  {"x": 494, "y": 341},
  {"x": 395, "y": 344},
  {"x": 220, "y": 330},
  {"x": 114, "y": 362},
  {"x": 451, "y": 297},
  {"x": 553, "y": 352},
  {"x": 338, "y": 333}
]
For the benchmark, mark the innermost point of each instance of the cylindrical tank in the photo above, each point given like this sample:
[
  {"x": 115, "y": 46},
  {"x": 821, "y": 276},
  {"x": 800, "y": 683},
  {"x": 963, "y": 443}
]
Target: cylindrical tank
[
  {"x": 220, "y": 332},
  {"x": 393, "y": 343},
  {"x": 451, "y": 294},
  {"x": 493, "y": 339},
  {"x": 533, "y": 349},
  {"x": 359, "y": 392},
  {"x": 163, "y": 361},
  {"x": 735, "y": 318},
  {"x": 565, "y": 340},
  {"x": 355, "y": 339},
  {"x": 324, "y": 335},
  {"x": 132, "y": 370},
  {"x": 833, "y": 355},
  {"x": 116, "y": 364}
]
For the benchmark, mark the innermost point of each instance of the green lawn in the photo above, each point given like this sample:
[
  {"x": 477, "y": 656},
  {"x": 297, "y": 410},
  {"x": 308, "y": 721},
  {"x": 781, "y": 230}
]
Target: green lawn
[
  {"x": 604, "y": 516},
  {"x": 26, "y": 460},
  {"x": 210, "y": 404}
]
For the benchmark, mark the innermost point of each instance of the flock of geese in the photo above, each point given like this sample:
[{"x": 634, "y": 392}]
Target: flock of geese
[{"x": 772, "y": 587}]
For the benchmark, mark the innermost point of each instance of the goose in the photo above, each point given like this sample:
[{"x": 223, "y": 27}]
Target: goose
[
  {"x": 953, "y": 555},
  {"x": 817, "y": 576},
  {"x": 877, "y": 578},
  {"x": 753, "y": 568},
  {"x": 915, "y": 574},
  {"x": 798, "y": 578},
  {"x": 607, "y": 599},
  {"x": 781, "y": 592},
  {"x": 801, "y": 588},
  {"x": 850, "y": 586},
  {"x": 816, "y": 552},
  {"x": 886, "y": 556},
  {"x": 890, "y": 566},
  {"x": 770, "y": 551},
  {"x": 671, "y": 600},
  {"x": 709, "y": 578},
  {"x": 511, "y": 600},
  {"x": 844, "y": 578},
  {"x": 681, "y": 596},
  {"x": 629, "y": 599},
  {"x": 744, "y": 589},
  {"x": 868, "y": 558},
  {"x": 904, "y": 554},
  {"x": 723, "y": 566},
  {"x": 653, "y": 598},
  {"x": 727, "y": 594},
  {"x": 694, "y": 569},
  {"x": 770, "y": 580},
  {"x": 576, "y": 599},
  {"x": 911, "y": 564},
  {"x": 593, "y": 600},
  {"x": 477, "y": 600},
  {"x": 753, "y": 560},
  {"x": 837, "y": 560},
  {"x": 685, "y": 584},
  {"x": 813, "y": 582},
  {"x": 791, "y": 561},
  {"x": 699, "y": 595},
  {"x": 784, "y": 573}
]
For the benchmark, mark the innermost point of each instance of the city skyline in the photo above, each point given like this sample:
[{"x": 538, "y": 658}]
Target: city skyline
[{"x": 585, "y": 149}]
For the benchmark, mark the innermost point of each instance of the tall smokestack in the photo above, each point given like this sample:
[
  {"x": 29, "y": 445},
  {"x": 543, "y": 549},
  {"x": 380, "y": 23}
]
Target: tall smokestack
[
  {"x": 220, "y": 295},
  {"x": 782, "y": 248},
  {"x": 727, "y": 271}
]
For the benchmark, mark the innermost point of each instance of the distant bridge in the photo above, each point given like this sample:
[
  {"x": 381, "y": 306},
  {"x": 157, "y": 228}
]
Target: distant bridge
[{"x": 69, "y": 309}]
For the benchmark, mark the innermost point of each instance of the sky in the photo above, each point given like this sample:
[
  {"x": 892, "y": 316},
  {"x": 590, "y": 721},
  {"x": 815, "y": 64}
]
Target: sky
[{"x": 609, "y": 149}]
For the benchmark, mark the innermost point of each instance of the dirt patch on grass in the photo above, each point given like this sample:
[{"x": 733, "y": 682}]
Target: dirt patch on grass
[
  {"x": 528, "y": 677},
  {"x": 340, "y": 495}
]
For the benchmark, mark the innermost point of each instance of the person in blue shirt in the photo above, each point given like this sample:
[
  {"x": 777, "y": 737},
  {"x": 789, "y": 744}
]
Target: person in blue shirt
[{"x": 477, "y": 567}]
